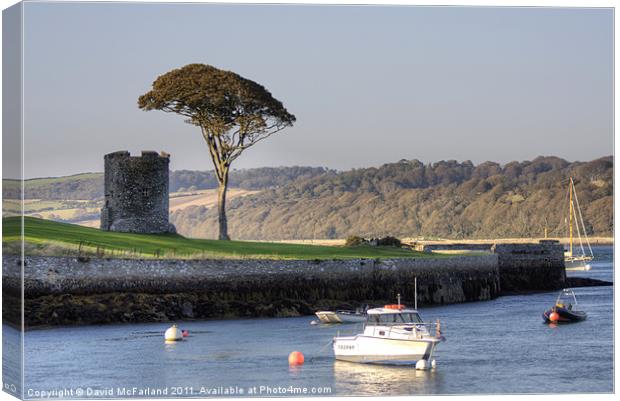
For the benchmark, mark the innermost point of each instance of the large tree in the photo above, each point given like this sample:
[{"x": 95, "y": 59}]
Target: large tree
[{"x": 232, "y": 112}]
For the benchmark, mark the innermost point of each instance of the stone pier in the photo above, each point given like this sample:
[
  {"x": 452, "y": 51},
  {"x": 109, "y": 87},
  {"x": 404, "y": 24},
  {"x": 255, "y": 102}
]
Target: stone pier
[{"x": 63, "y": 291}]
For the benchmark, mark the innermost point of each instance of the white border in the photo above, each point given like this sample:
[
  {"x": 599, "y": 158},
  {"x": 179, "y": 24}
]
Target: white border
[{"x": 477, "y": 3}]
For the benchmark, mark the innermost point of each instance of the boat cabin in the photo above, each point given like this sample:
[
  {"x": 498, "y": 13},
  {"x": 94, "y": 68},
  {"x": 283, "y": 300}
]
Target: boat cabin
[
  {"x": 396, "y": 322},
  {"x": 392, "y": 317}
]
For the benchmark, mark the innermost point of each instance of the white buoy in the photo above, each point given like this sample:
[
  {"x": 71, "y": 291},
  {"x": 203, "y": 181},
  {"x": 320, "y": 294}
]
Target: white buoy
[
  {"x": 433, "y": 364},
  {"x": 314, "y": 322},
  {"x": 422, "y": 364},
  {"x": 173, "y": 334}
]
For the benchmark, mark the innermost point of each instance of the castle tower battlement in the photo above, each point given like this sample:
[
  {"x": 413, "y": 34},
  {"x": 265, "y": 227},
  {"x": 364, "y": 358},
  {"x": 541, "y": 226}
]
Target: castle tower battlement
[{"x": 136, "y": 193}]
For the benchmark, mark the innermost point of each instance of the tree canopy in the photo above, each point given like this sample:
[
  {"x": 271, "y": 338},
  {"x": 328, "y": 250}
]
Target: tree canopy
[{"x": 232, "y": 112}]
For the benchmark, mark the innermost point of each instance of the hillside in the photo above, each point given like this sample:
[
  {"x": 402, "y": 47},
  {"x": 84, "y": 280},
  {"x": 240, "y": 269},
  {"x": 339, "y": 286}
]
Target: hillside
[
  {"x": 446, "y": 199},
  {"x": 409, "y": 199},
  {"x": 87, "y": 212},
  {"x": 205, "y": 197},
  {"x": 78, "y": 198},
  {"x": 89, "y": 186},
  {"x": 52, "y": 238}
]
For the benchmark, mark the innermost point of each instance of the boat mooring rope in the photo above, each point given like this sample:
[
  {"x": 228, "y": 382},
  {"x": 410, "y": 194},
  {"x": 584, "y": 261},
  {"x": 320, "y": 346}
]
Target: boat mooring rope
[{"x": 323, "y": 348}]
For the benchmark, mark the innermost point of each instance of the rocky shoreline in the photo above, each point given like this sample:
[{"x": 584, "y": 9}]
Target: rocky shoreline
[{"x": 68, "y": 291}]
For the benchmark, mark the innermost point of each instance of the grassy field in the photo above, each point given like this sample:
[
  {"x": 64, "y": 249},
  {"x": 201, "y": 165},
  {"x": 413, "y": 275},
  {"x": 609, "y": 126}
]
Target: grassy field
[
  {"x": 204, "y": 197},
  {"x": 35, "y": 182},
  {"x": 30, "y": 205},
  {"x": 49, "y": 237}
]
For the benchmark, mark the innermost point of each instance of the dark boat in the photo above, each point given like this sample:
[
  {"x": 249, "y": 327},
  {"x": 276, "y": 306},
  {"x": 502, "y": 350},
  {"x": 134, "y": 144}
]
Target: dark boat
[{"x": 565, "y": 309}]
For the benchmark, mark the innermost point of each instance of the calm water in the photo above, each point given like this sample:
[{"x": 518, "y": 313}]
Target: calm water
[{"x": 499, "y": 346}]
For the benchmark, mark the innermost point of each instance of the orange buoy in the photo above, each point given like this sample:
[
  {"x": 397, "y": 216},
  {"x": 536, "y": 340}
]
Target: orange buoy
[
  {"x": 554, "y": 316},
  {"x": 296, "y": 358},
  {"x": 185, "y": 333}
]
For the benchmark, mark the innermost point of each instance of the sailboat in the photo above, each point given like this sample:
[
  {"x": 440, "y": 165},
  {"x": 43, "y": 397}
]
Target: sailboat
[{"x": 576, "y": 257}]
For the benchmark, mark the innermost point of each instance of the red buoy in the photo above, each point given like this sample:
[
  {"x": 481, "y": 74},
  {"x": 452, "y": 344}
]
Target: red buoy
[
  {"x": 185, "y": 333},
  {"x": 296, "y": 358},
  {"x": 554, "y": 316}
]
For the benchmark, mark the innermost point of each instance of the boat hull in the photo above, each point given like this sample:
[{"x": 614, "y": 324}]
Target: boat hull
[
  {"x": 351, "y": 317},
  {"x": 340, "y": 317},
  {"x": 328, "y": 317},
  {"x": 366, "y": 349},
  {"x": 566, "y": 316},
  {"x": 577, "y": 265}
]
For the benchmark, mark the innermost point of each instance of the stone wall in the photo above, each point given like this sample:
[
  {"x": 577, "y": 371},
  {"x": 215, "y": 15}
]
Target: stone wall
[
  {"x": 530, "y": 267},
  {"x": 62, "y": 291},
  {"x": 486, "y": 247},
  {"x": 136, "y": 193}
]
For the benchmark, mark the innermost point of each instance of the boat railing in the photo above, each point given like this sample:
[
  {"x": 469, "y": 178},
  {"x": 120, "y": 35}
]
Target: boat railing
[
  {"x": 418, "y": 330},
  {"x": 567, "y": 297}
]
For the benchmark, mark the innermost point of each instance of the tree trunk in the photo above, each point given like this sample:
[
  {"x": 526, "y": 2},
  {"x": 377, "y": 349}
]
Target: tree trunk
[{"x": 221, "y": 207}]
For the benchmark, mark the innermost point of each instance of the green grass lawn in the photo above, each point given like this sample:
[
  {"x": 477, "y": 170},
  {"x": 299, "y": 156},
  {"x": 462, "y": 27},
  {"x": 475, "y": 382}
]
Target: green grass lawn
[{"x": 60, "y": 238}]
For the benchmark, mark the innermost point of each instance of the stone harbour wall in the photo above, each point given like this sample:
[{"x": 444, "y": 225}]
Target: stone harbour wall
[
  {"x": 67, "y": 291},
  {"x": 486, "y": 247},
  {"x": 530, "y": 267},
  {"x": 63, "y": 291}
]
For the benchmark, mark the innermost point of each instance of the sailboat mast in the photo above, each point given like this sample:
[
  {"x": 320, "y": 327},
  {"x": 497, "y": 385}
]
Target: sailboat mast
[
  {"x": 579, "y": 218},
  {"x": 570, "y": 214}
]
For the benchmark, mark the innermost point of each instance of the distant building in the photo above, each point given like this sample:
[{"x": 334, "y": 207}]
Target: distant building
[{"x": 136, "y": 193}]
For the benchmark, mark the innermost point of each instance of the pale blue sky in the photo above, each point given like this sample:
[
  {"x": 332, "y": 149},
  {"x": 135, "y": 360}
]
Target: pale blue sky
[{"x": 368, "y": 84}]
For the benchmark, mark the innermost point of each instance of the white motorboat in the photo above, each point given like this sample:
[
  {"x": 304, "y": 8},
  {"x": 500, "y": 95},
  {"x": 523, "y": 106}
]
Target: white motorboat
[
  {"x": 393, "y": 334},
  {"x": 341, "y": 316},
  {"x": 328, "y": 317}
]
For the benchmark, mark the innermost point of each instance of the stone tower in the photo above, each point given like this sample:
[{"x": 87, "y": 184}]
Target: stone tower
[{"x": 136, "y": 193}]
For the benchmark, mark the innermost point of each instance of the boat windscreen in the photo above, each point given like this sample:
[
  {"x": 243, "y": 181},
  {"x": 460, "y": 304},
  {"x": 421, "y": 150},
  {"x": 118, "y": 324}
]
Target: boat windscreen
[{"x": 389, "y": 319}]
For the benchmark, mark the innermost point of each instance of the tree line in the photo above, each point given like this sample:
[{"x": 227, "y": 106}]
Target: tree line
[{"x": 446, "y": 199}]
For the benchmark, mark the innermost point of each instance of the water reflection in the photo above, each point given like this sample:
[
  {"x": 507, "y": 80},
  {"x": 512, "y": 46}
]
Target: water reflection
[
  {"x": 295, "y": 371},
  {"x": 357, "y": 378}
]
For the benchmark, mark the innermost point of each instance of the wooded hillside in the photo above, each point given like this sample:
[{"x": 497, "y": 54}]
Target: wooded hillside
[
  {"x": 446, "y": 199},
  {"x": 408, "y": 199}
]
